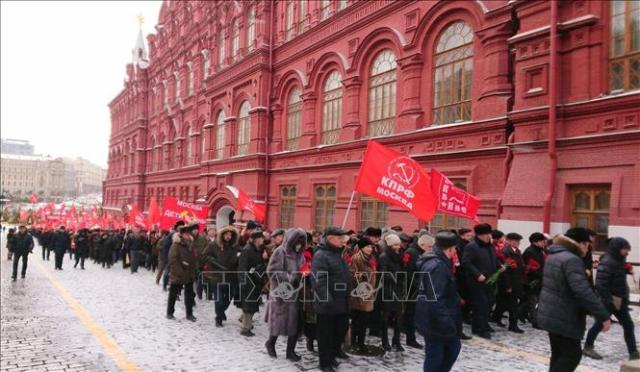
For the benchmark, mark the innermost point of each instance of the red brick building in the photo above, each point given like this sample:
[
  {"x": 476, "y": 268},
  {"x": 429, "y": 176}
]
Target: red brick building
[{"x": 279, "y": 98}]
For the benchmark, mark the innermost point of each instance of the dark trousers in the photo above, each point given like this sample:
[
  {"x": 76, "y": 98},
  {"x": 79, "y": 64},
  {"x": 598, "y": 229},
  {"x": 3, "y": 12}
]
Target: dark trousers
[
  {"x": 565, "y": 353},
  {"x": 222, "y": 297},
  {"x": 359, "y": 321},
  {"x": 396, "y": 318},
  {"x": 79, "y": 258},
  {"x": 480, "y": 305},
  {"x": 59, "y": 256},
  {"x": 133, "y": 257},
  {"x": 44, "y": 251},
  {"x": 627, "y": 325},
  {"x": 409, "y": 321},
  {"x": 333, "y": 329},
  {"x": 189, "y": 298},
  {"x": 16, "y": 257},
  {"x": 439, "y": 356}
]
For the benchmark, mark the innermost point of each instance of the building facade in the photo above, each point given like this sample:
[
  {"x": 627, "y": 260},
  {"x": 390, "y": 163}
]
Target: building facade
[
  {"x": 22, "y": 176},
  {"x": 82, "y": 177},
  {"x": 538, "y": 118}
]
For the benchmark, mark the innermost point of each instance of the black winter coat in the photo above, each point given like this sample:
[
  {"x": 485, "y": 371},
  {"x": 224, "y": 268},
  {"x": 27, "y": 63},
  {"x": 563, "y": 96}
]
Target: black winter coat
[
  {"x": 82, "y": 245},
  {"x": 394, "y": 279},
  {"x": 567, "y": 296},
  {"x": 533, "y": 258},
  {"x": 479, "y": 258},
  {"x": 413, "y": 281},
  {"x": 512, "y": 278},
  {"x": 61, "y": 241},
  {"x": 438, "y": 315},
  {"x": 611, "y": 279},
  {"x": 252, "y": 270},
  {"x": 331, "y": 280},
  {"x": 22, "y": 244}
]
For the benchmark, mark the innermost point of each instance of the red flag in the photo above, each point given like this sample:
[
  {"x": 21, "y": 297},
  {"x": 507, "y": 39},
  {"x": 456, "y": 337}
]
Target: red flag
[
  {"x": 453, "y": 200},
  {"x": 395, "y": 178},
  {"x": 174, "y": 210},
  {"x": 246, "y": 203},
  {"x": 33, "y": 199},
  {"x": 132, "y": 214},
  {"x": 154, "y": 212},
  {"x": 23, "y": 216}
]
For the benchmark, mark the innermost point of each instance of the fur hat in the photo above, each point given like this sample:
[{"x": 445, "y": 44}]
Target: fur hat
[
  {"x": 336, "y": 231},
  {"x": 392, "y": 239},
  {"x": 277, "y": 232},
  {"x": 483, "y": 228},
  {"x": 578, "y": 234},
  {"x": 364, "y": 241},
  {"x": 514, "y": 236},
  {"x": 446, "y": 239},
  {"x": 188, "y": 228},
  {"x": 257, "y": 233},
  {"x": 497, "y": 234},
  {"x": 373, "y": 231},
  {"x": 536, "y": 237}
]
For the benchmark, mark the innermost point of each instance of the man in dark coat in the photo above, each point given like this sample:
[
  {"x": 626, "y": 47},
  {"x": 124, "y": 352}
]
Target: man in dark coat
[
  {"x": 135, "y": 246},
  {"x": 182, "y": 271},
  {"x": 510, "y": 286},
  {"x": 534, "y": 257},
  {"x": 566, "y": 299},
  {"x": 411, "y": 256},
  {"x": 479, "y": 263},
  {"x": 82, "y": 247},
  {"x": 166, "y": 245},
  {"x": 252, "y": 267},
  {"x": 221, "y": 259},
  {"x": 464, "y": 237},
  {"x": 331, "y": 281},
  {"x": 438, "y": 315},
  {"x": 61, "y": 244},
  {"x": 394, "y": 278},
  {"x": 22, "y": 246},
  {"x": 613, "y": 290}
]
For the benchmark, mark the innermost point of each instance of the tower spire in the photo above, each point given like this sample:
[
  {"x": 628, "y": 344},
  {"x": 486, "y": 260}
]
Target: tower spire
[{"x": 140, "y": 57}]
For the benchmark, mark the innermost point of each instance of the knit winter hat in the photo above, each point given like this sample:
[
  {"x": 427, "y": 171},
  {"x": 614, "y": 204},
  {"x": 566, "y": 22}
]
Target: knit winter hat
[
  {"x": 364, "y": 241},
  {"x": 392, "y": 239}
]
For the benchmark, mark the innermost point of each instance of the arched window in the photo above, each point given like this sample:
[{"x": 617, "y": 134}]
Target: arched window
[
  {"x": 382, "y": 94},
  {"x": 158, "y": 154},
  {"x": 244, "y": 129},
  {"x": 452, "y": 75},
  {"x": 294, "y": 118},
  {"x": 191, "y": 78},
  {"x": 152, "y": 145},
  {"x": 624, "y": 55},
  {"x": 204, "y": 147},
  {"x": 302, "y": 15},
  {"x": 221, "y": 47},
  {"x": 220, "y": 140},
  {"x": 289, "y": 20},
  {"x": 188, "y": 147},
  {"x": 342, "y": 4},
  {"x": 324, "y": 9},
  {"x": 235, "y": 40},
  {"x": 332, "y": 108},
  {"x": 251, "y": 28}
]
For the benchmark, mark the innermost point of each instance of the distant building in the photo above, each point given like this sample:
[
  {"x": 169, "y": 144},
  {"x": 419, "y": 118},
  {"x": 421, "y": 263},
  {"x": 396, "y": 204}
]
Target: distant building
[
  {"x": 24, "y": 175},
  {"x": 82, "y": 177},
  {"x": 16, "y": 147}
]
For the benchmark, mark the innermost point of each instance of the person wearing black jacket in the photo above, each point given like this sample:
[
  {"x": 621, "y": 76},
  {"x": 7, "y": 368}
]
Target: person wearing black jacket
[
  {"x": 252, "y": 266},
  {"x": 394, "y": 278},
  {"x": 331, "y": 281},
  {"x": 61, "y": 244},
  {"x": 10, "y": 243},
  {"x": 82, "y": 247},
  {"x": 417, "y": 249},
  {"x": 22, "y": 246},
  {"x": 613, "y": 290},
  {"x": 510, "y": 286},
  {"x": 135, "y": 245},
  {"x": 534, "y": 257},
  {"x": 438, "y": 316},
  {"x": 588, "y": 257},
  {"x": 566, "y": 299},
  {"x": 464, "y": 237},
  {"x": 479, "y": 262}
]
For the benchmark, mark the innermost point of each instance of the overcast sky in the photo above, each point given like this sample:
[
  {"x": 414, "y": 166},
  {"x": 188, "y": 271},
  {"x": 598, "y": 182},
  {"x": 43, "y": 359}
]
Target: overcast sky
[{"x": 61, "y": 64}]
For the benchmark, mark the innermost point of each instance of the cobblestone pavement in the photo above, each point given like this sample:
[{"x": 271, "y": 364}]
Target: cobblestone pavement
[{"x": 40, "y": 331}]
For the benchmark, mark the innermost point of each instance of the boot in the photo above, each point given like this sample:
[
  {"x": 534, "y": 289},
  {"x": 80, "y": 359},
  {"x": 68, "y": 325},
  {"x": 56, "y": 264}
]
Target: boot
[
  {"x": 385, "y": 341},
  {"x": 397, "y": 346},
  {"x": 515, "y": 329},
  {"x": 310, "y": 344},
  {"x": 591, "y": 353},
  {"x": 634, "y": 356},
  {"x": 291, "y": 349},
  {"x": 271, "y": 346}
]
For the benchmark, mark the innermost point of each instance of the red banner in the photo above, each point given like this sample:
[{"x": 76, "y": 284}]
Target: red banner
[
  {"x": 396, "y": 179},
  {"x": 154, "y": 212},
  {"x": 246, "y": 203},
  {"x": 453, "y": 200},
  {"x": 33, "y": 199},
  {"x": 174, "y": 210}
]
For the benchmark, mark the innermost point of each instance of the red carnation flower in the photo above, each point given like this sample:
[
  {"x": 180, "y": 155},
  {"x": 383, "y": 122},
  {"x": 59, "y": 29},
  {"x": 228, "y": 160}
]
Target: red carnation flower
[{"x": 406, "y": 258}]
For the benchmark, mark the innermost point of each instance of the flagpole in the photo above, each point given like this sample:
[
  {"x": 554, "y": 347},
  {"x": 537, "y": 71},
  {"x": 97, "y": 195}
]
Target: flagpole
[{"x": 346, "y": 215}]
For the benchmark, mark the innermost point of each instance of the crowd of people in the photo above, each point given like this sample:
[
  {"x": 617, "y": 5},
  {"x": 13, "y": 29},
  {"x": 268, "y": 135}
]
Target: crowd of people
[{"x": 337, "y": 287}]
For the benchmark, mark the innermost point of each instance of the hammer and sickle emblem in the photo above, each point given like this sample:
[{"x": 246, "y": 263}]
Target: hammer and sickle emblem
[{"x": 402, "y": 170}]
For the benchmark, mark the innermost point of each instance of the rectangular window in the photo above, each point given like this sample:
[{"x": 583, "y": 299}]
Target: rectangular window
[
  {"x": 373, "y": 213},
  {"x": 220, "y": 141},
  {"x": 624, "y": 54},
  {"x": 287, "y": 206},
  {"x": 590, "y": 209},
  {"x": 324, "y": 206}
]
